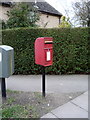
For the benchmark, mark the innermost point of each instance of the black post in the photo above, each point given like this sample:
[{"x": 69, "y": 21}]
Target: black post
[
  {"x": 3, "y": 87},
  {"x": 43, "y": 81}
]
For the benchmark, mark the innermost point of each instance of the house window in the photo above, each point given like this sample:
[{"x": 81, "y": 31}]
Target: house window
[{"x": 32, "y": 16}]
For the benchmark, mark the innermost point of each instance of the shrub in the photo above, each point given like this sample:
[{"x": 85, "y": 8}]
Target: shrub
[
  {"x": 22, "y": 15},
  {"x": 70, "y": 49},
  {"x": 64, "y": 22}
]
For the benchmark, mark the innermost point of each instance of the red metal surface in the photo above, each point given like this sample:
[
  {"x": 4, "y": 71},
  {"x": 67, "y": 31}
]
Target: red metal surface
[{"x": 43, "y": 49}]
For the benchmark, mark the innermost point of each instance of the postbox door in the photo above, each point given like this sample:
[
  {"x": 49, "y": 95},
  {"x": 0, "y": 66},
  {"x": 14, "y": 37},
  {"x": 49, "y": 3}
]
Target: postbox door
[{"x": 48, "y": 53}]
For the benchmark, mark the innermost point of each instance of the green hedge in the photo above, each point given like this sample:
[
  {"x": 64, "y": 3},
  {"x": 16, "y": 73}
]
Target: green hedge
[{"x": 70, "y": 49}]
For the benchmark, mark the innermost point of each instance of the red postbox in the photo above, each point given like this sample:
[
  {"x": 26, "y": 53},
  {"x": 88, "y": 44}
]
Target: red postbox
[{"x": 44, "y": 51}]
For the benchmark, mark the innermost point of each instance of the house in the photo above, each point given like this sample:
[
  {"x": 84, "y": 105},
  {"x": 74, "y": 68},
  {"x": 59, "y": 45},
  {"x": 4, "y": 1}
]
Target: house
[
  {"x": 49, "y": 16},
  {"x": 4, "y": 7}
]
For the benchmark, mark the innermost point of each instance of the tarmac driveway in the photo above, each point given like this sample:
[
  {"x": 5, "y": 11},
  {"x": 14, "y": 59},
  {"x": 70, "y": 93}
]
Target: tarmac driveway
[{"x": 54, "y": 83}]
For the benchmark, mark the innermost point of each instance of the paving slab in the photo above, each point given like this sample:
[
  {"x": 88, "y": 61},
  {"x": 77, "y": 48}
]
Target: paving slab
[
  {"x": 81, "y": 101},
  {"x": 70, "y": 110},
  {"x": 50, "y": 115}
]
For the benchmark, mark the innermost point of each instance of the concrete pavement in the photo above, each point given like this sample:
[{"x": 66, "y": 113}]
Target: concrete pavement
[
  {"x": 54, "y": 83},
  {"x": 77, "y": 108}
]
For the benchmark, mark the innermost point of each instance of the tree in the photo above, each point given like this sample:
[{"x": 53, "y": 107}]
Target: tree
[
  {"x": 64, "y": 22},
  {"x": 22, "y": 15},
  {"x": 3, "y": 24},
  {"x": 82, "y": 12}
]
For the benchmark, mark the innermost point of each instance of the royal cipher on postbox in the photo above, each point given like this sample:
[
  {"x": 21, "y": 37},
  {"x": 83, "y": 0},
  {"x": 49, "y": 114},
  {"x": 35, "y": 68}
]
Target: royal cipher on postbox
[{"x": 44, "y": 51}]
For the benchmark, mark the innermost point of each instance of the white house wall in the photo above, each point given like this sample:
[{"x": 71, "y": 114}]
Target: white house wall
[
  {"x": 3, "y": 12},
  {"x": 48, "y": 21}
]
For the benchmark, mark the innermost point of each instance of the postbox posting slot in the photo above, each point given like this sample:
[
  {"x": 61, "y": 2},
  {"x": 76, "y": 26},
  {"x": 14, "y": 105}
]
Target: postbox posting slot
[
  {"x": 48, "y": 48},
  {"x": 48, "y": 42}
]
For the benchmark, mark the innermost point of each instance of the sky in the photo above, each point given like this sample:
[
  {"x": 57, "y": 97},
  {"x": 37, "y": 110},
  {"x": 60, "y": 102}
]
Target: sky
[{"x": 62, "y": 5}]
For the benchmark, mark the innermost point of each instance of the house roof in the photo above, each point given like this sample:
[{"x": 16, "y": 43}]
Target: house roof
[
  {"x": 7, "y": 4},
  {"x": 41, "y": 6},
  {"x": 46, "y": 8}
]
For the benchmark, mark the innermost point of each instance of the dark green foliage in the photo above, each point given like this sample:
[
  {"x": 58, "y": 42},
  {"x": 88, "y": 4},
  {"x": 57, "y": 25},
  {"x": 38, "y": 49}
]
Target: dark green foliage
[
  {"x": 70, "y": 49},
  {"x": 3, "y": 24}
]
